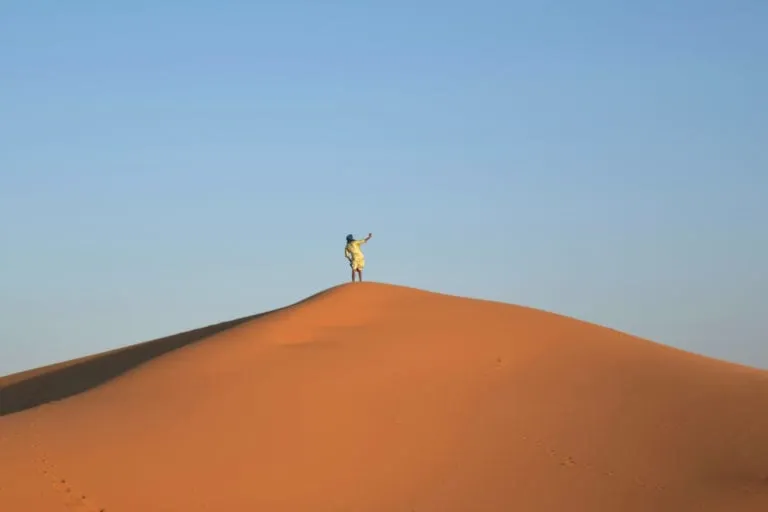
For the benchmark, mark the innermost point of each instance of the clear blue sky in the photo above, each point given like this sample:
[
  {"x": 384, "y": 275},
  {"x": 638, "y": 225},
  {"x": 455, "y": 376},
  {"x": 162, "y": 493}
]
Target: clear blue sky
[{"x": 167, "y": 164}]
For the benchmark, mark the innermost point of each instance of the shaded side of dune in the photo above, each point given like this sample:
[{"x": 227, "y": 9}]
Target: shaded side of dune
[
  {"x": 31, "y": 388},
  {"x": 36, "y": 387}
]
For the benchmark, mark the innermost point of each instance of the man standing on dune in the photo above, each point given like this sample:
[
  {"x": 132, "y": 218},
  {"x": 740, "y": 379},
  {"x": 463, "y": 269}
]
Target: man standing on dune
[{"x": 355, "y": 256}]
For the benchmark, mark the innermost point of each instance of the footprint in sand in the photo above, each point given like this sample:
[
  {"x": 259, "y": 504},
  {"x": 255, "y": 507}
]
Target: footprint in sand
[{"x": 73, "y": 499}]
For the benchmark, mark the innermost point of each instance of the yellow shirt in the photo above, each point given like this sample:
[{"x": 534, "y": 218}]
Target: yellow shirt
[{"x": 352, "y": 250}]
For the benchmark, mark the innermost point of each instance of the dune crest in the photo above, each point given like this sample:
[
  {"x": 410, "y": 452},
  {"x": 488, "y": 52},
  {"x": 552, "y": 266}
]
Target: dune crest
[{"x": 373, "y": 397}]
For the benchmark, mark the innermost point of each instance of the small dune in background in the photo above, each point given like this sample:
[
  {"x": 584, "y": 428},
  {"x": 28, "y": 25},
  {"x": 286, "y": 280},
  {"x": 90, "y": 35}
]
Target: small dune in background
[{"x": 379, "y": 398}]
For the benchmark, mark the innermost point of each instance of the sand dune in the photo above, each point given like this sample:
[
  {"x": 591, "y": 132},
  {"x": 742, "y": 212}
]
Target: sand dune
[{"x": 373, "y": 397}]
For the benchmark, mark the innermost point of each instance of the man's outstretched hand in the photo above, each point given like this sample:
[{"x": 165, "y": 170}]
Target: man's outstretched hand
[{"x": 369, "y": 236}]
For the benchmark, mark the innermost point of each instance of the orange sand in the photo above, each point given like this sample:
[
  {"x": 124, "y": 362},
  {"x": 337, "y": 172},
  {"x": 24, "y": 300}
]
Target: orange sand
[{"x": 377, "y": 398}]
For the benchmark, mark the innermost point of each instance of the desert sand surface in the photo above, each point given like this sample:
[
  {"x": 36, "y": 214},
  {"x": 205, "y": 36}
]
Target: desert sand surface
[{"x": 372, "y": 397}]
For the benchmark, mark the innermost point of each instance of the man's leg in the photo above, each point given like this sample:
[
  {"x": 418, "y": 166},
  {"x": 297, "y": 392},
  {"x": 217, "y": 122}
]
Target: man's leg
[
  {"x": 353, "y": 275},
  {"x": 360, "y": 275}
]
